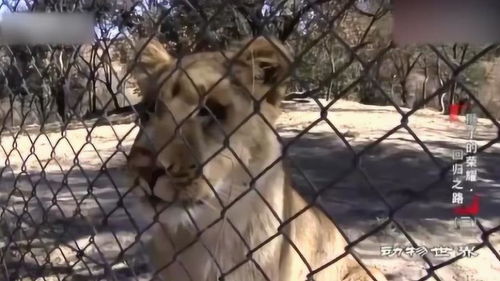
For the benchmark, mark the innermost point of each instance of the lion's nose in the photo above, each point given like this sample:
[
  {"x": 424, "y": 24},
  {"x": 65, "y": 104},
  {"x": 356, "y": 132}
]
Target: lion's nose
[
  {"x": 182, "y": 171},
  {"x": 180, "y": 161}
]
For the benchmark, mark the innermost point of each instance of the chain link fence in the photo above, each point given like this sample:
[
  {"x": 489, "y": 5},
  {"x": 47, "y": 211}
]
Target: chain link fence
[{"x": 365, "y": 131}]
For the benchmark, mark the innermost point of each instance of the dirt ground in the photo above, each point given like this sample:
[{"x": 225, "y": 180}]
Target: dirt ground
[{"x": 71, "y": 223}]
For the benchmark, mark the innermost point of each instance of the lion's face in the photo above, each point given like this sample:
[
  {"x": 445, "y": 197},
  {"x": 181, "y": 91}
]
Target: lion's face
[{"x": 211, "y": 127}]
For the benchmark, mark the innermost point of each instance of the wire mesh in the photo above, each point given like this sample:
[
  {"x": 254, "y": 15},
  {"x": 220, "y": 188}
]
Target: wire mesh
[{"x": 71, "y": 114}]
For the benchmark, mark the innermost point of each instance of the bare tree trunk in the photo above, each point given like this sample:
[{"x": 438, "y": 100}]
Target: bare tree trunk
[
  {"x": 108, "y": 74},
  {"x": 329, "y": 92},
  {"x": 59, "y": 91},
  {"x": 332, "y": 65},
  {"x": 442, "y": 96},
  {"x": 60, "y": 99},
  {"x": 424, "y": 84},
  {"x": 452, "y": 95},
  {"x": 11, "y": 101},
  {"x": 404, "y": 93},
  {"x": 42, "y": 113},
  {"x": 93, "y": 70}
]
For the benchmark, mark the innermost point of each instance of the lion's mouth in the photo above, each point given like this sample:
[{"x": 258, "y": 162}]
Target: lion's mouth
[
  {"x": 157, "y": 173},
  {"x": 157, "y": 202}
]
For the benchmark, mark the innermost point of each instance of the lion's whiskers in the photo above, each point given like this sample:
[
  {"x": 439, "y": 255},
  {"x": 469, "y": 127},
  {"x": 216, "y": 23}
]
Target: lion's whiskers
[{"x": 224, "y": 219}]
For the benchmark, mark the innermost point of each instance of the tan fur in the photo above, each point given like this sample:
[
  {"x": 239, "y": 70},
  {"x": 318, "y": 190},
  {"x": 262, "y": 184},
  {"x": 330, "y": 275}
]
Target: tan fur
[{"x": 230, "y": 233}]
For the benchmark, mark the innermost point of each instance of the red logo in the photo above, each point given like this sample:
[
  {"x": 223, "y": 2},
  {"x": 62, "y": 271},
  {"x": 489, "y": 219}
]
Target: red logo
[{"x": 468, "y": 210}]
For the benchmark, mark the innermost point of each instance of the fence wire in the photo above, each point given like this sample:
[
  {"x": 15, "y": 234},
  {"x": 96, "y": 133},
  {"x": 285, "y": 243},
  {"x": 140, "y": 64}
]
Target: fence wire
[{"x": 70, "y": 115}]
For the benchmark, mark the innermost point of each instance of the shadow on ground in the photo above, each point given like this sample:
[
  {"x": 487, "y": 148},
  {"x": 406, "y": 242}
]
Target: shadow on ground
[{"x": 65, "y": 228}]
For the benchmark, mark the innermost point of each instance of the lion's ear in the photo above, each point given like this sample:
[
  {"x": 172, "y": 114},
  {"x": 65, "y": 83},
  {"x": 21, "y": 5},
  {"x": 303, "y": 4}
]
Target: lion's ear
[
  {"x": 152, "y": 63},
  {"x": 269, "y": 60}
]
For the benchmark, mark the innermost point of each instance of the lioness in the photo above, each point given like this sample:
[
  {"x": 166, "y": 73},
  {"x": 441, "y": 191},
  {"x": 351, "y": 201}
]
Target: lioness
[{"x": 206, "y": 163}]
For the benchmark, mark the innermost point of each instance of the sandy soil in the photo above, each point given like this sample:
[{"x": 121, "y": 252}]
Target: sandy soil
[{"x": 65, "y": 221}]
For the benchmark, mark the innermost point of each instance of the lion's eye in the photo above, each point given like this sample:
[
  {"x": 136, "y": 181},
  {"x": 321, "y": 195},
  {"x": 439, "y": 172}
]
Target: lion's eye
[
  {"x": 203, "y": 112},
  {"x": 212, "y": 108},
  {"x": 176, "y": 89},
  {"x": 145, "y": 115}
]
